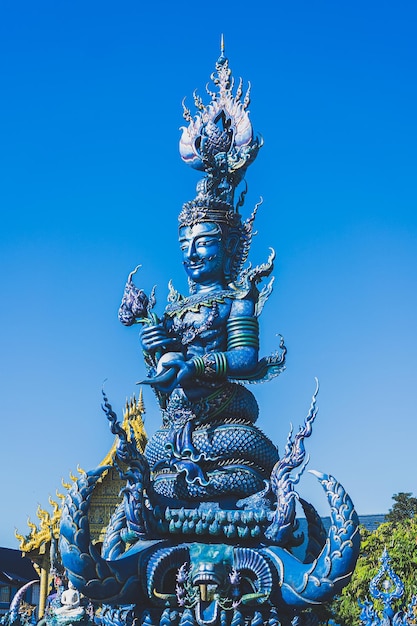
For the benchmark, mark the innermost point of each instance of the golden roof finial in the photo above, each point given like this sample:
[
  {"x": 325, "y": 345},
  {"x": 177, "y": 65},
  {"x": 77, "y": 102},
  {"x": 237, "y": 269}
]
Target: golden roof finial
[
  {"x": 222, "y": 44},
  {"x": 140, "y": 404},
  {"x": 65, "y": 485},
  {"x": 61, "y": 496},
  {"x": 32, "y": 526},
  {"x": 43, "y": 516},
  {"x": 55, "y": 506},
  {"x": 128, "y": 409}
]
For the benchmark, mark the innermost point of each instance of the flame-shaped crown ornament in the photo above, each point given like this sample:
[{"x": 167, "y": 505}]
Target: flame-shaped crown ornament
[{"x": 220, "y": 141}]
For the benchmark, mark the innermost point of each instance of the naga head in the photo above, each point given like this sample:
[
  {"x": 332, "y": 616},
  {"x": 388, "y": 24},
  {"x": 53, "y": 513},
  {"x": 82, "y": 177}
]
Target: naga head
[{"x": 214, "y": 578}]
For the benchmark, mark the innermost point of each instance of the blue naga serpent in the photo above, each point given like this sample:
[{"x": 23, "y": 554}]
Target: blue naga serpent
[{"x": 141, "y": 555}]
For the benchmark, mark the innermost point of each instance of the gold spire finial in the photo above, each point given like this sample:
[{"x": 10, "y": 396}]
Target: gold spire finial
[
  {"x": 32, "y": 526},
  {"x": 140, "y": 403},
  {"x": 65, "y": 485},
  {"x": 222, "y": 44}
]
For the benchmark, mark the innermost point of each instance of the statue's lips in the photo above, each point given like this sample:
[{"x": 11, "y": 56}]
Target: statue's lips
[{"x": 195, "y": 266}]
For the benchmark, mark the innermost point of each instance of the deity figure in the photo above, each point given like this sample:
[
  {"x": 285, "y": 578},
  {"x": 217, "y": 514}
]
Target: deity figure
[
  {"x": 206, "y": 532},
  {"x": 206, "y": 344},
  {"x": 196, "y": 334},
  {"x": 69, "y": 610},
  {"x": 70, "y": 600}
]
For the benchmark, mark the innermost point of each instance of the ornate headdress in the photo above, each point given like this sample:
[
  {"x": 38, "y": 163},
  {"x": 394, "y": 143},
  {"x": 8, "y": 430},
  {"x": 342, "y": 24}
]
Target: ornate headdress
[{"x": 219, "y": 141}]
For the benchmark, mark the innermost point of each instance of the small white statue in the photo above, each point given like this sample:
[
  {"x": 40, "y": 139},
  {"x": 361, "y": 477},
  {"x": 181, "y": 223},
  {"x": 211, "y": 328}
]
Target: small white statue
[{"x": 70, "y": 601}]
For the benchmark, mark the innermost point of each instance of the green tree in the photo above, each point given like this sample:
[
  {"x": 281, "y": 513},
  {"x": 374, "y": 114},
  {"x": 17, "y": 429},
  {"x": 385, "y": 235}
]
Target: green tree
[{"x": 404, "y": 507}]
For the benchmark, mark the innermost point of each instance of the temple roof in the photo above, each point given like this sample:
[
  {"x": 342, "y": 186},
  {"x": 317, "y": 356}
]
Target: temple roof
[
  {"x": 48, "y": 525},
  {"x": 15, "y": 568}
]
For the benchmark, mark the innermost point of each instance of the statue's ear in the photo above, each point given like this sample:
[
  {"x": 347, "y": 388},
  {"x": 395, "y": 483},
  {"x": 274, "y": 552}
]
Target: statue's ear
[{"x": 232, "y": 243}]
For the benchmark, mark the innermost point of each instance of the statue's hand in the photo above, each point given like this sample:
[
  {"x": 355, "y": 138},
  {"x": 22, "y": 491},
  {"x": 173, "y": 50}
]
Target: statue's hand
[
  {"x": 172, "y": 371},
  {"x": 185, "y": 370},
  {"x": 154, "y": 338}
]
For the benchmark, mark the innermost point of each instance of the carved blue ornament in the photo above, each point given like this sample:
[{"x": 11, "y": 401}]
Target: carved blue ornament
[{"x": 387, "y": 587}]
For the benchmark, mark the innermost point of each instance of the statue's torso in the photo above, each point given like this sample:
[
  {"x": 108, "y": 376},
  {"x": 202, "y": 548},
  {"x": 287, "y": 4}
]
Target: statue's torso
[{"x": 200, "y": 328}]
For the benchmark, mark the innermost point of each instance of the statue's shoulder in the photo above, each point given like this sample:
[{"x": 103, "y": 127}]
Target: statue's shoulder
[{"x": 243, "y": 307}]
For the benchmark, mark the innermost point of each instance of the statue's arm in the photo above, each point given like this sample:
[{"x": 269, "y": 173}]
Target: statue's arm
[{"x": 238, "y": 360}]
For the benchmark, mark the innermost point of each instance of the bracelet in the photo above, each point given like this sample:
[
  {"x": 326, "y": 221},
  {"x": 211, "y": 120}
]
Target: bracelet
[
  {"x": 242, "y": 332},
  {"x": 198, "y": 363},
  {"x": 212, "y": 365}
]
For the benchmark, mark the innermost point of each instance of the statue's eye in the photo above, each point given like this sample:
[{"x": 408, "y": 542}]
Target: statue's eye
[{"x": 208, "y": 241}]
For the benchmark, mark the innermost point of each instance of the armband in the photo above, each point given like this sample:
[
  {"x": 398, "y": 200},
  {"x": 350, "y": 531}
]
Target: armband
[
  {"x": 242, "y": 332},
  {"x": 213, "y": 365}
]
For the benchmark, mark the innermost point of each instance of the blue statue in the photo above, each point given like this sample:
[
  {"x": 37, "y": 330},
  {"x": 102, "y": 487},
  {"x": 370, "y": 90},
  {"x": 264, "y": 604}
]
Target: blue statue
[
  {"x": 207, "y": 528},
  {"x": 207, "y": 343}
]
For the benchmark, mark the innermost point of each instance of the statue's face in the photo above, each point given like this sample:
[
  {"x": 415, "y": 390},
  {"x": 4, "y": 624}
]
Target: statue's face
[{"x": 202, "y": 252}]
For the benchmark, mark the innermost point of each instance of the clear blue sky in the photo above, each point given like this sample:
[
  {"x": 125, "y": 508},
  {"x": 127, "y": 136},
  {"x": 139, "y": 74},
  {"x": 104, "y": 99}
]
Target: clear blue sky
[{"x": 91, "y": 184}]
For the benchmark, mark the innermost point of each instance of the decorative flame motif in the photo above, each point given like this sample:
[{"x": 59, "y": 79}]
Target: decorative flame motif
[
  {"x": 219, "y": 141},
  {"x": 221, "y": 127}
]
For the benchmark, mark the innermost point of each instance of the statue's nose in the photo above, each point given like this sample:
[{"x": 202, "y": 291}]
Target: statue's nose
[{"x": 191, "y": 252}]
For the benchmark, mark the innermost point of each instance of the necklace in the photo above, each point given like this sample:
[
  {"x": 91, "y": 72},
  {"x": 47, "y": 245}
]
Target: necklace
[
  {"x": 195, "y": 301},
  {"x": 189, "y": 331}
]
